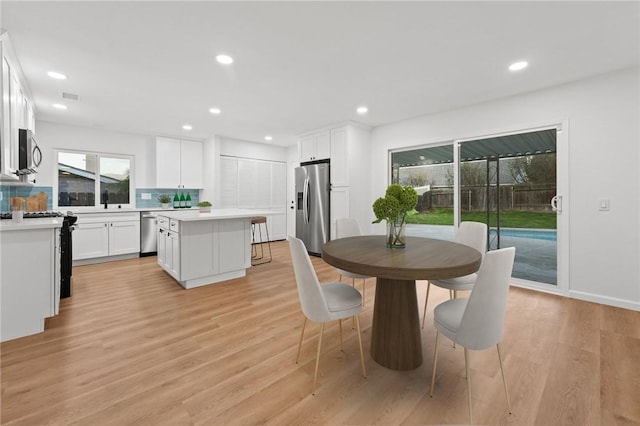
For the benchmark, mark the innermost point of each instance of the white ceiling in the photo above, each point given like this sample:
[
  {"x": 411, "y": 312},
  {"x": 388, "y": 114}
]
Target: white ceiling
[{"x": 148, "y": 67}]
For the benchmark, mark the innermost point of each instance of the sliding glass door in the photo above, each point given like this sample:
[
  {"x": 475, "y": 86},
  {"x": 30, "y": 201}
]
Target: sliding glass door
[{"x": 507, "y": 182}]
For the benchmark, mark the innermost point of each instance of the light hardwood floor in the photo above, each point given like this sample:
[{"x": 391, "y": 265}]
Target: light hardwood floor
[{"x": 132, "y": 347}]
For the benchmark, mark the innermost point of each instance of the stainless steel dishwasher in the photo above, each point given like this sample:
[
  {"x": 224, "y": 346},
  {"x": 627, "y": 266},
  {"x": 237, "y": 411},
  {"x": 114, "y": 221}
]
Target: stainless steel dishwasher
[{"x": 148, "y": 234}]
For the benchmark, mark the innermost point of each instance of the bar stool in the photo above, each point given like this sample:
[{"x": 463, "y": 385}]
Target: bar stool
[{"x": 255, "y": 259}]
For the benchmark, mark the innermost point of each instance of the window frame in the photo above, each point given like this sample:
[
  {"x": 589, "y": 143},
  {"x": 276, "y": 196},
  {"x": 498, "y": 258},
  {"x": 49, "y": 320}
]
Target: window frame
[{"x": 99, "y": 155}]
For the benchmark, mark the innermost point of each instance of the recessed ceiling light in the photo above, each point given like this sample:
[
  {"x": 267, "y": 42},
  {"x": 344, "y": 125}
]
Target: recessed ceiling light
[
  {"x": 215, "y": 110},
  {"x": 224, "y": 59},
  {"x": 59, "y": 106},
  {"x": 268, "y": 138},
  {"x": 362, "y": 110},
  {"x": 187, "y": 127},
  {"x": 517, "y": 66},
  {"x": 57, "y": 75}
]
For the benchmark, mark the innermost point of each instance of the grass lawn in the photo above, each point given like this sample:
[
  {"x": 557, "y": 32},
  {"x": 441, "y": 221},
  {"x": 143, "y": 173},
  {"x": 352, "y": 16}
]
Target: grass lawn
[{"x": 508, "y": 218}]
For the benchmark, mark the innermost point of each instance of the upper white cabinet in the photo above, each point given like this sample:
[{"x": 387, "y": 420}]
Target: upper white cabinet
[
  {"x": 315, "y": 146},
  {"x": 178, "y": 163},
  {"x": 339, "y": 157},
  {"x": 17, "y": 110}
]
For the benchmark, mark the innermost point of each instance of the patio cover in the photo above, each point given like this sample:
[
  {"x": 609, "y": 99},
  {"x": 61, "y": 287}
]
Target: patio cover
[{"x": 532, "y": 143}]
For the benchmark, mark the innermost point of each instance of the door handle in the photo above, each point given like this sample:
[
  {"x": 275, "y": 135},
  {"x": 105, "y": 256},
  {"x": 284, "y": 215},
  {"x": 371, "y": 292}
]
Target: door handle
[
  {"x": 556, "y": 203},
  {"x": 305, "y": 200}
]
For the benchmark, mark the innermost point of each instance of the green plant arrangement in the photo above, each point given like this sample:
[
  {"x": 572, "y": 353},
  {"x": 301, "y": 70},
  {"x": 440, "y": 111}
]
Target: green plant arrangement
[
  {"x": 164, "y": 200},
  {"x": 398, "y": 202},
  {"x": 204, "y": 206}
]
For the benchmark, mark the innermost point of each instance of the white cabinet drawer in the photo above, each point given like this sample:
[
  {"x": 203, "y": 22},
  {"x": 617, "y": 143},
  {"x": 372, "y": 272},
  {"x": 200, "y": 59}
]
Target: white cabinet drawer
[
  {"x": 163, "y": 222},
  {"x": 174, "y": 225}
]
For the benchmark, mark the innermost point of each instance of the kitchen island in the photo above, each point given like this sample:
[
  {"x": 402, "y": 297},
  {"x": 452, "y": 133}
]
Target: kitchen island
[
  {"x": 198, "y": 248},
  {"x": 30, "y": 275}
]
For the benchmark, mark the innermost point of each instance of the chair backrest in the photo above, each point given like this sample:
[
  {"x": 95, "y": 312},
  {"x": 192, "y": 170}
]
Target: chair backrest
[
  {"x": 483, "y": 318},
  {"x": 474, "y": 235},
  {"x": 347, "y": 227},
  {"x": 312, "y": 301}
]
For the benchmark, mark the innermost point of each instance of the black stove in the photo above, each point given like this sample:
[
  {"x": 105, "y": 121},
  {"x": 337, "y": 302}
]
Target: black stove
[{"x": 33, "y": 215}]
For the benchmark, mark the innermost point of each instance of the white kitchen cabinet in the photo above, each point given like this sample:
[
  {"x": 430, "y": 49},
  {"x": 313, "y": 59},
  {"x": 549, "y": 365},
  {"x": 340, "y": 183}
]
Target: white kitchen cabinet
[
  {"x": 90, "y": 240},
  {"x": 100, "y": 237},
  {"x": 339, "y": 158},
  {"x": 30, "y": 279},
  {"x": 178, "y": 163},
  {"x": 124, "y": 237},
  {"x": 16, "y": 110},
  {"x": 315, "y": 146},
  {"x": 339, "y": 206}
]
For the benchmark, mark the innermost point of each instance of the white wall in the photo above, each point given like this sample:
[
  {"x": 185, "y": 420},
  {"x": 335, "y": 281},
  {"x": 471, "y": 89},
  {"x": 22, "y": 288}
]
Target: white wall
[
  {"x": 52, "y": 136},
  {"x": 603, "y": 145}
]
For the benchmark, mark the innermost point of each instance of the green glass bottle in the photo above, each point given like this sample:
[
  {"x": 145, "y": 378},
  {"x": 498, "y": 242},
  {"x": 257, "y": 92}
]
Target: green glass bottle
[
  {"x": 187, "y": 201},
  {"x": 182, "y": 200},
  {"x": 176, "y": 201}
]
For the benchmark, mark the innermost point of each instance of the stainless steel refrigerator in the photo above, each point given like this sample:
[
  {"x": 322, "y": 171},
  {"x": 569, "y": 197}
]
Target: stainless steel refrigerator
[{"x": 312, "y": 206}]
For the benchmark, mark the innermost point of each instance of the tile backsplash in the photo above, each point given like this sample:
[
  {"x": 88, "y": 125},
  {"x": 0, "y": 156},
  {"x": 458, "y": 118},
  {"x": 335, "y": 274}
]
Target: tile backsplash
[
  {"x": 10, "y": 191},
  {"x": 155, "y": 192}
]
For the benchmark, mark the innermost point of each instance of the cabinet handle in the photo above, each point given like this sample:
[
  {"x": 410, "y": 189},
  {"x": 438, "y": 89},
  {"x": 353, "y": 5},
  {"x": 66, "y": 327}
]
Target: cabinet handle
[{"x": 105, "y": 225}]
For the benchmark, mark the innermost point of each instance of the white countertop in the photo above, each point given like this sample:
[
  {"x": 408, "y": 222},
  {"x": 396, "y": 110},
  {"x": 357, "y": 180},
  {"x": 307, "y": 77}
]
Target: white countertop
[
  {"x": 39, "y": 223},
  {"x": 125, "y": 210},
  {"x": 216, "y": 214}
]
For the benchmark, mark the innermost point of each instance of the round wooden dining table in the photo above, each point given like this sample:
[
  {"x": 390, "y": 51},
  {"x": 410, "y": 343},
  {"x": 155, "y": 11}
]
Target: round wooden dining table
[{"x": 396, "y": 341}]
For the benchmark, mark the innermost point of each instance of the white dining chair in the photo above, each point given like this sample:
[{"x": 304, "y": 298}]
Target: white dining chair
[
  {"x": 323, "y": 303},
  {"x": 349, "y": 227},
  {"x": 477, "y": 322},
  {"x": 474, "y": 235}
]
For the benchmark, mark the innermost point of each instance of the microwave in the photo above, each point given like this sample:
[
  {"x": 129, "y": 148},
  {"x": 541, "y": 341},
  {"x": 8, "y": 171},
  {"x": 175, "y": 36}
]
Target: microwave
[{"x": 29, "y": 154}]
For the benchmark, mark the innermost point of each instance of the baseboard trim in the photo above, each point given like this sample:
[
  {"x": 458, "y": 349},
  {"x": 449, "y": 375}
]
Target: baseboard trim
[{"x": 605, "y": 300}]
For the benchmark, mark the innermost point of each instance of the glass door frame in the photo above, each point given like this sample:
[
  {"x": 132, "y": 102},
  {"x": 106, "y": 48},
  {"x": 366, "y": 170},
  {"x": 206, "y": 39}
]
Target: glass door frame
[{"x": 562, "y": 185}]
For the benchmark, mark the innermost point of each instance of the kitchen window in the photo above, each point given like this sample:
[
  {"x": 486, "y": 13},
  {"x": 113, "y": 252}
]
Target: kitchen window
[{"x": 90, "y": 179}]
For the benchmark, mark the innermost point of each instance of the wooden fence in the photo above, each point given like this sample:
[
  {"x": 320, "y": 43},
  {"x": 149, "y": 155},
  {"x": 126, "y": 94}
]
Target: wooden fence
[{"x": 474, "y": 198}]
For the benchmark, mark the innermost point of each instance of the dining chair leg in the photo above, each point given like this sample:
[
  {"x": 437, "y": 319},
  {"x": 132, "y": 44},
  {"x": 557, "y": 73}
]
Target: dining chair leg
[
  {"x": 466, "y": 368},
  {"x": 364, "y": 371},
  {"x": 301, "y": 336},
  {"x": 504, "y": 380},
  {"x": 450, "y": 294},
  {"x": 364, "y": 287},
  {"x": 340, "y": 325},
  {"x": 340, "y": 277},
  {"x": 435, "y": 361},
  {"x": 315, "y": 374},
  {"x": 426, "y": 299}
]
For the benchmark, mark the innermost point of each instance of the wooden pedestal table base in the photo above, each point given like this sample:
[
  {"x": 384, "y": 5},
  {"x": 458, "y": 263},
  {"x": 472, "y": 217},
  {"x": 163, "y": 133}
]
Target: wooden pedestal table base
[{"x": 395, "y": 340}]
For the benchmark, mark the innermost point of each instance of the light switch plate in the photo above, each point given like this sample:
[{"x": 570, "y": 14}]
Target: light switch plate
[
  {"x": 603, "y": 204},
  {"x": 145, "y": 196}
]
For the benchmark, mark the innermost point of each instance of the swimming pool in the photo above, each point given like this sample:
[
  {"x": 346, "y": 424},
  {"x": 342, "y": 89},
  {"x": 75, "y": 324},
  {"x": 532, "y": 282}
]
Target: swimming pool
[{"x": 536, "y": 234}]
